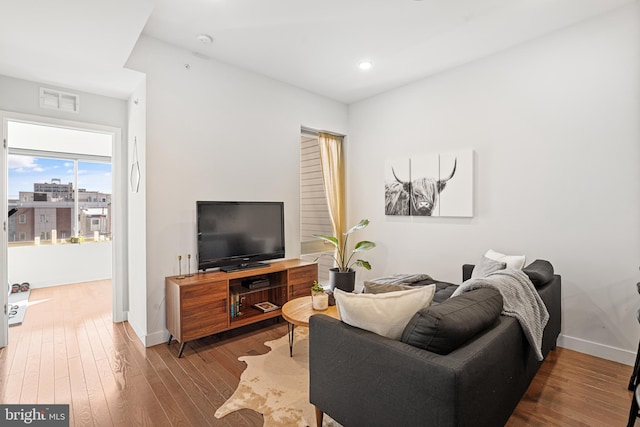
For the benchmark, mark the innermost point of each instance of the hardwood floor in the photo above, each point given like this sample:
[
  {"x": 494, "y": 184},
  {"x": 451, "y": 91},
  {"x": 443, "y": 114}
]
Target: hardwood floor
[{"x": 69, "y": 351}]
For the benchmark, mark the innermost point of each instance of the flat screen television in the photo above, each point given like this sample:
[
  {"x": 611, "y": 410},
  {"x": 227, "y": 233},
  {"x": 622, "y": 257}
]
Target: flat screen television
[{"x": 237, "y": 235}]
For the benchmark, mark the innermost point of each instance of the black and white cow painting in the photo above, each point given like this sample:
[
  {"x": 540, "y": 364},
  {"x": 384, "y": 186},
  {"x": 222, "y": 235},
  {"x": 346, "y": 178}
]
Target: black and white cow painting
[{"x": 418, "y": 186}]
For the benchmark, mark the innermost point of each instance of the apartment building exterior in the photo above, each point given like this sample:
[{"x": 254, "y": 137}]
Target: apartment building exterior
[{"x": 49, "y": 212}]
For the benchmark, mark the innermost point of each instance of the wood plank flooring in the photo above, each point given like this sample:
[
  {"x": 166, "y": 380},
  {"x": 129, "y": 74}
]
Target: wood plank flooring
[{"x": 69, "y": 351}]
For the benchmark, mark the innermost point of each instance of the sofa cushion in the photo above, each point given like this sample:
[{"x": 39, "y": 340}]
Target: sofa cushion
[
  {"x": 444, "y": 327},
  {"x": 398, "y": 282},
  {"x": 385, "y": 314},
  {"x": 403, "y": 279},
  {"x": 382, "y": 288},
  {"x": 540, "y": 272},
  {"x": 512, "y": 261},
  {"x": 444, "y": 291},
  {"x": 487, "y": 266}
]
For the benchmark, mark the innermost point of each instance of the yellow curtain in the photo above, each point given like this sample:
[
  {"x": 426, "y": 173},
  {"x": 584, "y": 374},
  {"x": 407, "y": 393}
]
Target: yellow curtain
[{"x": 332, "y": 161}]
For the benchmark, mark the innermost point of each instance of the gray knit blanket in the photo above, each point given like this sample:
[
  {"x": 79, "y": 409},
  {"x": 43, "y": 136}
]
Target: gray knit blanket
[{"x": 520, "y": 300}]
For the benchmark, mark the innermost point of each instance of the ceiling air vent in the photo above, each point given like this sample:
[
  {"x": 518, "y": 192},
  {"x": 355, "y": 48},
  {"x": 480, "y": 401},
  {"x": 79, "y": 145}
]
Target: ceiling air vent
[{"x": 61, "y": 101}]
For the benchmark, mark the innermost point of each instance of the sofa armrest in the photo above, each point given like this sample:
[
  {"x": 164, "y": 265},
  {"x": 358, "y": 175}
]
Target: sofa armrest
[
  {"x": 363, "y": 379},
  {"x": 467, "y": 269}
]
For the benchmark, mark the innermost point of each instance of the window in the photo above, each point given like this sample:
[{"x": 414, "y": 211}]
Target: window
[
  {"x": 62, "y": 192},
  {"x": 314, "y": 211},
  {"x": 48, "y": 168},
  {"x": 22, "y": 236},
  {"x": 95, "y": 179}
]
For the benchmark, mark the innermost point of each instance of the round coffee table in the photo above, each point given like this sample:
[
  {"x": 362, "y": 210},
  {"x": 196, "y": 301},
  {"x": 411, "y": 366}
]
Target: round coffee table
[{"x": 297, "y": 313}]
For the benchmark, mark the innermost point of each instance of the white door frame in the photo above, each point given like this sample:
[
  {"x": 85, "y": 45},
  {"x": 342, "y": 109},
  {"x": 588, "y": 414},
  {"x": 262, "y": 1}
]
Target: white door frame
[
  {"x": 118, "y": 272},
  {"x": 4, "y": 246}
]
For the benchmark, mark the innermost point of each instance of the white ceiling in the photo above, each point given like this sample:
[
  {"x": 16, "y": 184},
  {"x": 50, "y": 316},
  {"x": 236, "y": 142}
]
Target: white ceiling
[
  {"x": 314, "y": 45},
  {"x": 78, "y": 44}
]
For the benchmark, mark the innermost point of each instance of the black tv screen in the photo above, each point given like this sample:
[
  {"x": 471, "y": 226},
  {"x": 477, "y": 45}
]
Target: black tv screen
[{"x": 236, "y": 235}]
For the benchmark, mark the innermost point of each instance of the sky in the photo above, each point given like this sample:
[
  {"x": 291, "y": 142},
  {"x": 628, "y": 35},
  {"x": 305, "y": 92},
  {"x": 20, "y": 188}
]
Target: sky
[{"x": 24, "y": 171}]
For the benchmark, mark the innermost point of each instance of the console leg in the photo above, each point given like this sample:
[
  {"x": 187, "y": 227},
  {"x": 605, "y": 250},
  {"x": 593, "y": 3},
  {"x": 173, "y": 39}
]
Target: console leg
[
  {"x": 290, "y": 327},
  {"x": 319, "y": 416},
  {"x": 170, "y": 338},
  {"x": 633, "y": 412},
  {"x": 634, "y": 375},
  {"x": 181, "y": 349}
]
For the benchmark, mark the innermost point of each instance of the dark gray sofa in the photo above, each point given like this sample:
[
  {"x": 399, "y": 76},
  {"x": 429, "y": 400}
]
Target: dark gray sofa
[{"x": 363, "y": 379}]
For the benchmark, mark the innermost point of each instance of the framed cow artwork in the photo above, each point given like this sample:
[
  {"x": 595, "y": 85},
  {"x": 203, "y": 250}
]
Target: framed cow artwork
[{"x": 432, "y": 185}]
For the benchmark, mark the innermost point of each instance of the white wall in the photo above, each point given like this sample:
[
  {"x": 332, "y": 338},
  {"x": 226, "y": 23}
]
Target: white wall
[
  {"x": 215, "y": 132},
  {"x": 136, "y": 214},
  {"x": 554, "y": 124},
  {"x": 52, "y": 265}
]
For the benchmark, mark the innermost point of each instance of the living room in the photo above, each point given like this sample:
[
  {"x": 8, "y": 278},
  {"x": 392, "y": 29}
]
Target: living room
[
  {"x": 553, "y": 123},
  {"x": 537, "y": 117}
]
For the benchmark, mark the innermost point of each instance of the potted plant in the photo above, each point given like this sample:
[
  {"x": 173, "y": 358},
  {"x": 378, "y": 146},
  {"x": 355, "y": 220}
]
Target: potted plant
[
  {"x": 319, "y": 298},
  {"x": 343, "y": 276}
]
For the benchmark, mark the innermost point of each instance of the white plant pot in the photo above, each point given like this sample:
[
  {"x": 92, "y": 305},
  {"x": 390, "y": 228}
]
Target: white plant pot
[{"x": 319, "y": 301}]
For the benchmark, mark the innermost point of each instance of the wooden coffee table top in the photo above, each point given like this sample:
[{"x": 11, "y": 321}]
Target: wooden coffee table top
[{"x": 297, "y": 311}]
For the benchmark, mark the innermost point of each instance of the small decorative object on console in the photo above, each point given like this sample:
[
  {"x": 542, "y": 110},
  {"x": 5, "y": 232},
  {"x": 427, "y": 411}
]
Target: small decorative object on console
[
  {"x": 319, "y": 298},
  {"x": 180, "y": 275},
  {"x": 266, "y": 306},
  {"x": 189, "y": 266}
]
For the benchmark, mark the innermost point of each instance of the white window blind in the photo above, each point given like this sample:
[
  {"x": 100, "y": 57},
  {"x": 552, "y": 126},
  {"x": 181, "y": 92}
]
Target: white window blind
[{"x": 314, "y": 212}]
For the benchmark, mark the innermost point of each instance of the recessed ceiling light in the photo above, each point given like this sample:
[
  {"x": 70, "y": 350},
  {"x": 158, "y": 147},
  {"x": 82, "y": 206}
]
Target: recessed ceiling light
[
  {"x": 365, "y": 65},
  {"x": 204, "y": 38}
]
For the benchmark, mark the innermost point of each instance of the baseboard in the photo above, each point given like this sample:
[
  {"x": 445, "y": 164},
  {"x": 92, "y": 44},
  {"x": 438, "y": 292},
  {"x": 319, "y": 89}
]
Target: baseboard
[
  {"x": 151, "y": 339},
  {"x": 156, "y": 338},
  {"x": 598, "y": 350}
]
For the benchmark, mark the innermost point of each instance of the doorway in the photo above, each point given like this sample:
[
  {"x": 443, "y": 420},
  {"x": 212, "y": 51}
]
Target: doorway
[{"x": 63, "y": 222}]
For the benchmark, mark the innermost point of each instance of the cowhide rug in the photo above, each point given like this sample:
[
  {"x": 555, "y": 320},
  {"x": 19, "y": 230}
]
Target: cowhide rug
[{"x": 276, "y": 385}]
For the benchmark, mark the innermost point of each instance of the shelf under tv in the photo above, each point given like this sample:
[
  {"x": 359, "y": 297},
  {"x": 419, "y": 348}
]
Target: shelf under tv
[
  {"x": 253, "y": 315},
  {"x": 242, "y": 290}
]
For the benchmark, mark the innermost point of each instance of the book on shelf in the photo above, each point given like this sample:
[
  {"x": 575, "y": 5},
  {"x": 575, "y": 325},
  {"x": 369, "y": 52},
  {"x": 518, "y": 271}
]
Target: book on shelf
[
  {"x": 236, "y": 303},
  {"x": 266, "y": 306}
]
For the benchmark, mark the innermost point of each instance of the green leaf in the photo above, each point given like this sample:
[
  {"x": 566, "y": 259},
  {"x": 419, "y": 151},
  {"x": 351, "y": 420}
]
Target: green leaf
[
  {"x": 330, "y": 239},
  {"x": 364, "y": 264},
  {"x": 365, "y": 245},
  {"x": 359, "y": 226},
  {"x": 329, "y": 255}
]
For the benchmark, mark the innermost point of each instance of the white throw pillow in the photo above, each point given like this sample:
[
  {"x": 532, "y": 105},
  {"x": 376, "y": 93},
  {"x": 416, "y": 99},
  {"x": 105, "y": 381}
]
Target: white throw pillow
[
  {"x": 512, "y": 261},
  {"x": 385, "y": 314}
]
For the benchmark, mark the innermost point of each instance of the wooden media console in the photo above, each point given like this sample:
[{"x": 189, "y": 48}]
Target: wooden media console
[{"x": 207, "y": 303}]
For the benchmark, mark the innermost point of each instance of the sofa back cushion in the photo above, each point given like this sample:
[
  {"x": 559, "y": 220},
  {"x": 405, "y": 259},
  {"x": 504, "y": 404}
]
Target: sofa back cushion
[
  {"x": 540, "y": 272},
  {"x": 383, "y": 288},
  {"x": 444, "y": 327}
]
